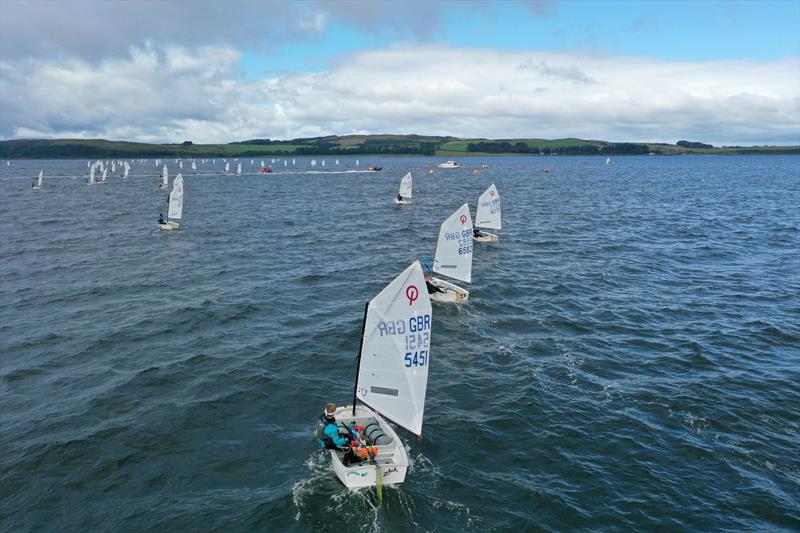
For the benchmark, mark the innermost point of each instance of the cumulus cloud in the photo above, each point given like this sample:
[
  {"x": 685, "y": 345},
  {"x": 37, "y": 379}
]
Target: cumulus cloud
[{"x": 175, "y": 94}]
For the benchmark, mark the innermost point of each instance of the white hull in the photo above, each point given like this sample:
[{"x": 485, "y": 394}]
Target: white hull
[
  {"x": 391, "y": 459},
  {"x": 36, "y": 188},
  {"x": 169, "y": 225},
  {"x": 402, "y": 202},
  {"x": 451, "y": 293},
  {"x": 486, "y": 237}
]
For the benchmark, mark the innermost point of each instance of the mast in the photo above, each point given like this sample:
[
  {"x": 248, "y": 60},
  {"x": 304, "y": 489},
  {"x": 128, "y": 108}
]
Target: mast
[{"x": 358, "y": 358}]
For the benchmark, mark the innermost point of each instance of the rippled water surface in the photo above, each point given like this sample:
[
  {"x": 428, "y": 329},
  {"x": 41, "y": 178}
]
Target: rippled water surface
[{"x": 629, "y": 358}]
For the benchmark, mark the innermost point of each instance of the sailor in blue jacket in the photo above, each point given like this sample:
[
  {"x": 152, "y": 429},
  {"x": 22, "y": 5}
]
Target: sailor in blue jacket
[{"x": 328, "y": 430}]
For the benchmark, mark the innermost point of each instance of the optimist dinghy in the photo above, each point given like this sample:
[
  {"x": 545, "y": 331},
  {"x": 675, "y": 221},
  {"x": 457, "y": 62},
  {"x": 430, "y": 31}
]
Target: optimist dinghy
[
  {"x": 175, "y": 204},
  {"x": 392, "y": 380},
  {"x": 90, "y": 179},
  {"x": 37, "y": 185},
  {"x": 404, "y": 195},
  {"x": 453, "y": 257},
  {"x": 488, "y": 215},
  {"x": 164, "y": 178}
]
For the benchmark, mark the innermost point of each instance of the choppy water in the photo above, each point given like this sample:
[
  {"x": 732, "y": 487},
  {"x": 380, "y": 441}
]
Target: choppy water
[{"x": 629, "y": 358}]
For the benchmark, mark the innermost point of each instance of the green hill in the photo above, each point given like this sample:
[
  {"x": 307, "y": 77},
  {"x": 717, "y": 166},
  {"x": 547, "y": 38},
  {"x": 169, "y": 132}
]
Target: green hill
[{"x": 354, "y": 145}]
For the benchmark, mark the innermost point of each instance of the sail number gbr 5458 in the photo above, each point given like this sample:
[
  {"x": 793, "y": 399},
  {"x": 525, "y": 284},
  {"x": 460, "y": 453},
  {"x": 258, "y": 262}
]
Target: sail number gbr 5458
[{"x": 416, "y": 332}]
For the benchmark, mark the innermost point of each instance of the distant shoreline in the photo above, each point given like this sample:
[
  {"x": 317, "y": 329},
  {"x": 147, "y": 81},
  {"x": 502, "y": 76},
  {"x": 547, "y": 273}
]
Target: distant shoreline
[{"x": 351, "y": 146}]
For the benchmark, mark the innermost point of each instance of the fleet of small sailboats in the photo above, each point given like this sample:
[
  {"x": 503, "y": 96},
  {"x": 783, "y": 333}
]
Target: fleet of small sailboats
[{"x": 394, "y": 355}]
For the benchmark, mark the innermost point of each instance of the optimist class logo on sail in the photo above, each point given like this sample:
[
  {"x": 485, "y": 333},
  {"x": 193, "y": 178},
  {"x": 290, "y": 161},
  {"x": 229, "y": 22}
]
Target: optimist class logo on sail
[{"x": 412, "y": 293}]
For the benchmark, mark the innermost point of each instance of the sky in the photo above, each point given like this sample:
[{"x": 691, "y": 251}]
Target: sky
[{"x": 721, "y": 72}]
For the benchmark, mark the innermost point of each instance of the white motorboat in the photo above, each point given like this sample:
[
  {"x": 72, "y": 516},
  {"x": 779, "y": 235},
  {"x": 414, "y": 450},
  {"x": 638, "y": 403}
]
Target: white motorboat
[
  {"x": 404, "y": 194},
  {"x": 449, "y": 164},
  {"x": 453, "y": 257},
  {"x": 487, "y": 215},
  {"x": 392, "y": 379},
  {"x": 175, "y": 210}
]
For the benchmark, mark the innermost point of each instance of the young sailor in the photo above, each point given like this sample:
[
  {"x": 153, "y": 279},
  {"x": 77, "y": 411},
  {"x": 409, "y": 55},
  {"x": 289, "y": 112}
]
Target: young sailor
[
  {"x": 431, "y": 287},
  {"x": 328, "y": 431},
  {"x": 161, "y": 219}
]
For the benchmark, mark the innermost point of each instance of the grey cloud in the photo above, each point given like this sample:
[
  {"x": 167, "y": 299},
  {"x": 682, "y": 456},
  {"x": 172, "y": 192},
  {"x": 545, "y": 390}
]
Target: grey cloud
[
  {"x": 571, "y": 72},
  {"x": 93, "y": 30}
]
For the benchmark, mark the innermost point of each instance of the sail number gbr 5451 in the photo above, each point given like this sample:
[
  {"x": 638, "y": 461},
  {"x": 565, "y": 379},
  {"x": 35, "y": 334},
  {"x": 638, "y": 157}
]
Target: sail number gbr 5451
[{"x": 417, "y": 335}]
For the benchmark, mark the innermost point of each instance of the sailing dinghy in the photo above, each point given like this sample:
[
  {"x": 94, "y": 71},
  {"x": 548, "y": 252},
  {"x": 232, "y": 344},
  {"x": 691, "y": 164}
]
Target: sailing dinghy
[
  {"x": 175, "y": 209},
  {"x": 239, "y": 169},
  {"x": 164, "y": 178},
  {"x": 90, "y": 178},
  {"x": 404, "y": 195},
  {"x": 391, "y": 379},
  {"x": 453, "y": 257},
  {"x": 37, "y": 185},
  {"x": 488, "y": 215}
]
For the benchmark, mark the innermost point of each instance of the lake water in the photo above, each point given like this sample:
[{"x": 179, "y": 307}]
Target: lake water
[{"x": 629, "y": 358}]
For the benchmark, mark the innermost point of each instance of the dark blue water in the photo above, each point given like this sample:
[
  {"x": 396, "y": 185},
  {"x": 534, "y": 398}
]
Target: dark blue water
[{"x": 629, "y": 358}]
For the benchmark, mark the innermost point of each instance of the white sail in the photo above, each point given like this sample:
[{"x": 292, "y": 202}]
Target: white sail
[
  {"x": 126, "y": 169},
  {"x": 323, "y": 162},
  {"x": 164, "y": 176},
  {"x": 227, "y": 166},
  {"x": 41, "y": 175},
  {"x": 194, "y": 165},
  {"x": 91, "y": 174},
  {"x": 285, "y": 162},
  {"x": 405, "y": 186},
  {"x": 252, "y": 162},
  {"x": 454, "y": 249},
  {"x": 239, "y": 169},
  {"x": 180, "y": 164},
  {"x": 293, "y": 161},
  {"x": 113, "y": 166},
  {"x": 105, "y": 173},
  {"x": 262, "y": 164},
  {"x": 337, "y": 162},
  {"x": 356, "y": 162},
  {"x": 176, "y": 198},
  {"x": 395, "y": 351},
  {"x": 488, "y": 213}
]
